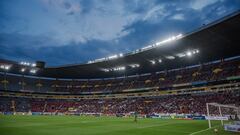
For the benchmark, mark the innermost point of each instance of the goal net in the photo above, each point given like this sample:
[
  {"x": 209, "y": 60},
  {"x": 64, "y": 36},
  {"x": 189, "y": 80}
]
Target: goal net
[{"x": 220, "y": 114}]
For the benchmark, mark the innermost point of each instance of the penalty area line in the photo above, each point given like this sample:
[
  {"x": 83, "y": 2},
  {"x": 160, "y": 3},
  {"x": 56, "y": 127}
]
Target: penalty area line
[
  {"x": 157, "y": 125},
  {"x": 202, "y": 130}
]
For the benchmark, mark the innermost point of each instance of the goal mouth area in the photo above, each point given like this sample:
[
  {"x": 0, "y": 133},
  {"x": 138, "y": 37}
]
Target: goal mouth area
[{"x": 228, "y": 114}]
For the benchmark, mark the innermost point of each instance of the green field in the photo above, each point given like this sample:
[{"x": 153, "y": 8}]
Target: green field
[{"x": 76, "y": 125}]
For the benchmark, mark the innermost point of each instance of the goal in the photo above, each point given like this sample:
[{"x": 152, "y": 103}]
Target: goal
[{"x": 221, "y": 112}]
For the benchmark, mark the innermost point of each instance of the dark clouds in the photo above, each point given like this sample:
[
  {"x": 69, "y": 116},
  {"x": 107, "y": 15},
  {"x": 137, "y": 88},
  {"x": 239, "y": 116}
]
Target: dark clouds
[{"x": 75, "y": 31}]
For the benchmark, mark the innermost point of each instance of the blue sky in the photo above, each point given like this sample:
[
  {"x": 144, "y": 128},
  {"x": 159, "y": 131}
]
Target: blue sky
[{"x": 75, "y": 31}]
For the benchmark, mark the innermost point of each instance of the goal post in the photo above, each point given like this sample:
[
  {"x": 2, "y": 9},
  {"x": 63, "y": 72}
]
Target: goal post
[{"x": 220, "y": 112}]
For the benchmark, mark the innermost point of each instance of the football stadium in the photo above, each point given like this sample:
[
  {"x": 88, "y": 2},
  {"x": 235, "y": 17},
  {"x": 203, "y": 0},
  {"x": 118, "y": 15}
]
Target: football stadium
[{"x": 186, "y": 84}]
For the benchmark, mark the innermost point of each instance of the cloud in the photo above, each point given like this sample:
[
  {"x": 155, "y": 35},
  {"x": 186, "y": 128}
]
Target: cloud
[
  {"x": 81, "y": 21},
  {"x": 154, "y": 12},
  {"x": 23, "y": 47},
  {"x": 69, "y": 7},
  {"x": 178, "y": 17},
  {"x": 96, "y": 23},
  {"x": 70, "y": 31},
  {"x": 200, "y": 4}
]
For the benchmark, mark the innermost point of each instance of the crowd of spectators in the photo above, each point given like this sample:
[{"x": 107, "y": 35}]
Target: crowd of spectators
[
  {"x": 187, "y": 104},
  {"x": 204, "y": 72}
]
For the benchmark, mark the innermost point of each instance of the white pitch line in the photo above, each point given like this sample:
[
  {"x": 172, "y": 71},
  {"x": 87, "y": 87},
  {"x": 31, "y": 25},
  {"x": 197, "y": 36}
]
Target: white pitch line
[
  {"x": 156, "y": 125},
  {"x": 202, "y": 130}
]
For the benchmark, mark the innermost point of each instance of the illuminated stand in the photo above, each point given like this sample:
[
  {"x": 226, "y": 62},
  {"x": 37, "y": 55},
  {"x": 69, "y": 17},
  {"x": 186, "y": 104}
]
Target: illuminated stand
[
  {"x": 222, "y": 117},
  {"x": 5, "y": 68}
]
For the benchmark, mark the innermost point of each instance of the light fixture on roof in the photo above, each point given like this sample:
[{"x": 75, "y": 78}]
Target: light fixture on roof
[
  {"x": 113, "y": 57},
  {"x": 106, "y": 70},
  {"x": 153, "y": 62},
  {"x": 33, "y": 71},
  {"x": 160, "y": 60},
  {"x": 189, "y": 53},
  {"x": 23, "y": 70},
  {"x": 120, "y": 55},
  {"x": 5, "y": 67},
  {"x": 134, "y": 65},
  {"x": 180, "y": 55},
  {"x": 27, "y": 64},
  {"x": 33, "y": 64},
  {"x": 170, "y": 57},
  {"x": 173, "y": 38},
  {"x": 197, "y": 51},
  {"x": 119, "y": 68},
  {"x": 147, "y": 47}
]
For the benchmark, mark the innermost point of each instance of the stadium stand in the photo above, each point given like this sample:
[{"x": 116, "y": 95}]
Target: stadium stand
[
  {"x": 181, "y": 104},
  {"x": 215, "y": 71},
  {"x": 171, "y": 86}
]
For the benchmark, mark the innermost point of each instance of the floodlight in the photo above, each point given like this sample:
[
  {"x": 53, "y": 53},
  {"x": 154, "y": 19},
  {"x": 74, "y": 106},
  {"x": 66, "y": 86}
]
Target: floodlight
[
  {"x": 23, "y": 70},
  {"x": 153, "y": 62},
  {"x": 113, "y": 57},
  {"x": 5, "y": 67},
  {"x": 106, "y": 70},
  {"x": 134, "y": 65},
  {"x": 170, "y": 57},
  {"x": 189, "y": 53},
  {"x": 120, "y": 55},
  {"x": 33, "y": 71}
]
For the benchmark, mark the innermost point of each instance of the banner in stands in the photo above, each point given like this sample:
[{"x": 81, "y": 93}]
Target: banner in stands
[
  {"x": 182, "y": 84},
  {"x": 177, "y": 116},
  {"x": 199, "y": 82},
  {"x": 237, "y": 123},
  {"x": 216, "y": 118},
  {"x": 233, "y": 78},
  {"x": 166, "y": 117},
  {"x": 182, "y": 117},
  {"x": 174, "y": 116},
  {"x": 198, "y": 117},
  {"x": 8, "y": 113},
  {"x": 233, "y": 128},
  {"x": 153, "y": 116},
  {"x": 36, "y": 113}
]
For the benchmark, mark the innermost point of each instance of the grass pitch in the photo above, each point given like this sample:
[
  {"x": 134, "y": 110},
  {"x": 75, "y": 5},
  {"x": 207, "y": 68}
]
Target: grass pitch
[{"x": 76, "y": 125}]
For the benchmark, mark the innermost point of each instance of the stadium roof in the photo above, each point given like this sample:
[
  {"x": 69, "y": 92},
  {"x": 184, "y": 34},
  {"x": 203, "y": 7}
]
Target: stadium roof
[{"x": 214, "y": 41}]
